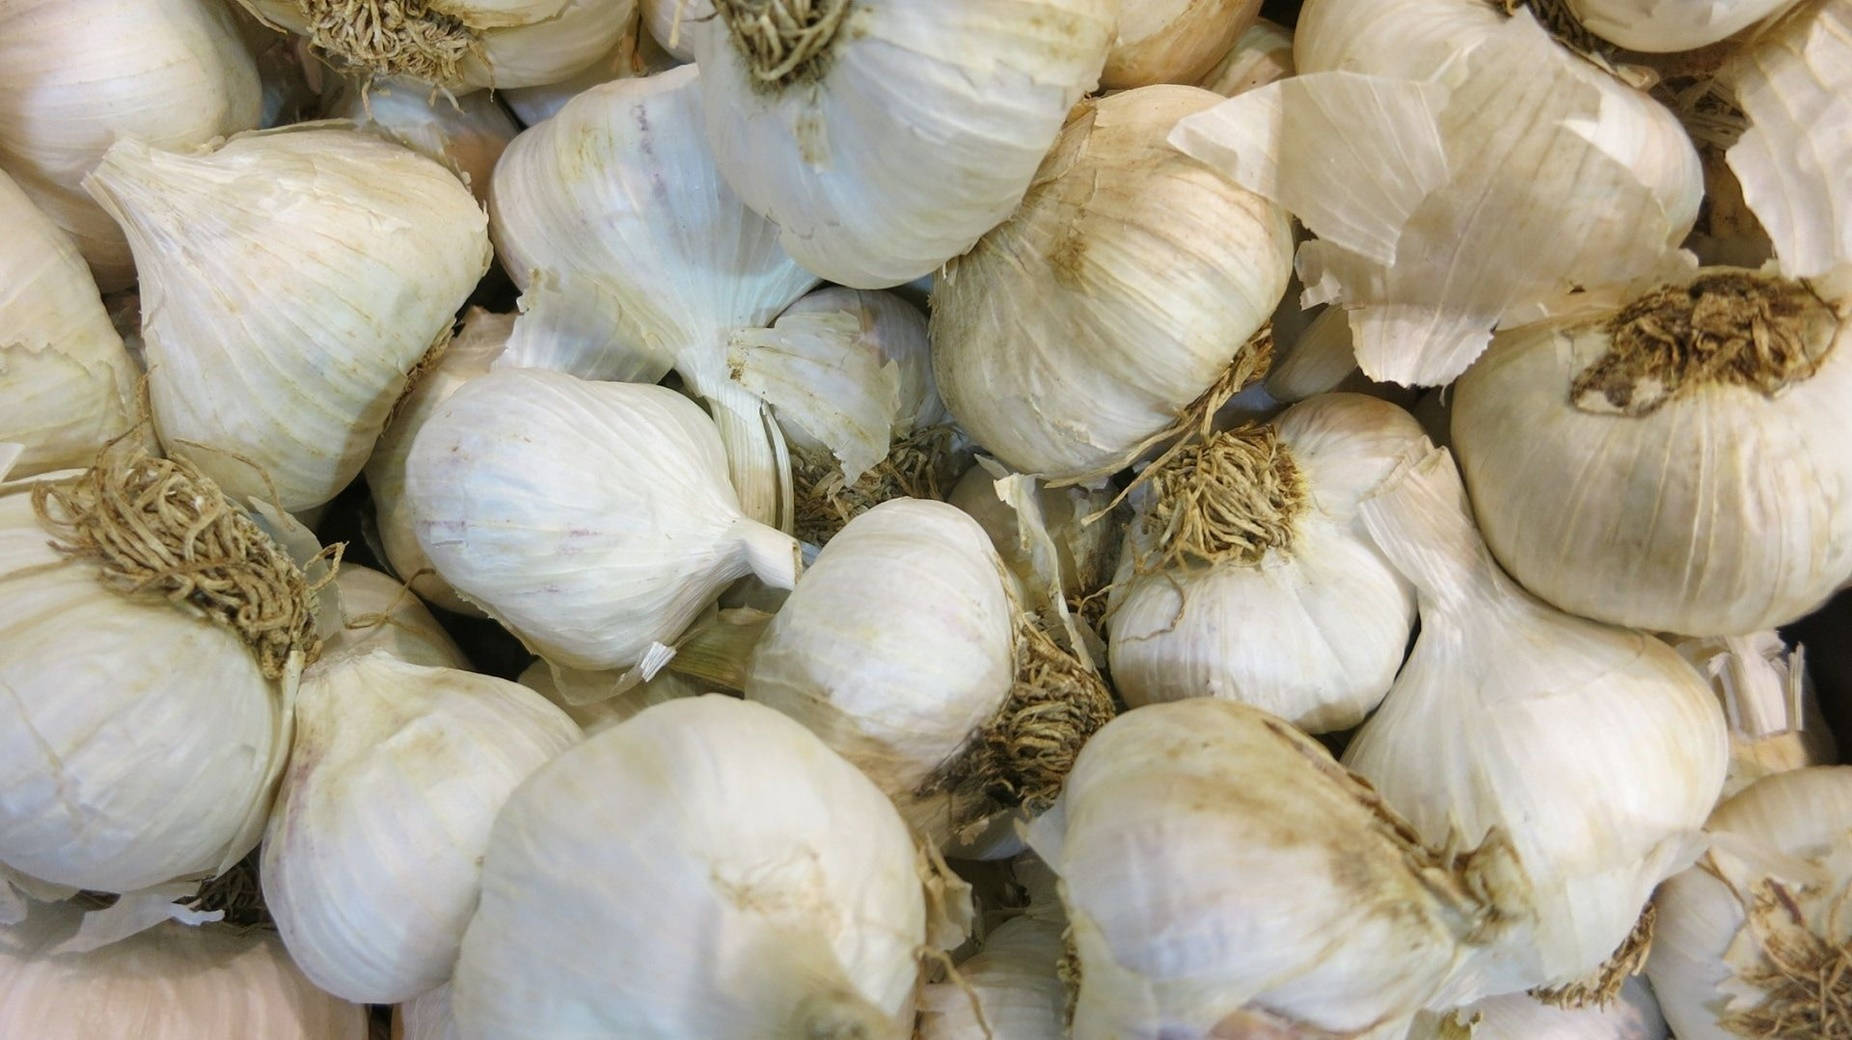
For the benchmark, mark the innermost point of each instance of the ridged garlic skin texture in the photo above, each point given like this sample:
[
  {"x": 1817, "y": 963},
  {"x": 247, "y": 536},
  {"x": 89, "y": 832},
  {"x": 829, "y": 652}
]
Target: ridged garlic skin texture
[
  {"x": 1174, "y": 41},
  {"x": 1103, "y": 307},
  {"x": 265, "y": 389},
  {"x": 78, "y": 75},
  {"x": 371, "y": 858},
  {"x": 1314, "y": 632},
  {"x": 706, "y": 869},
  {"x": 592, "y": 518},
  {"x": 136, "y": 741}
]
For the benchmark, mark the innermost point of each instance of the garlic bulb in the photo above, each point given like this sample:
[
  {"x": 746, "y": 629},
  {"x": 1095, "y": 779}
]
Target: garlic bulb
[
  {"x": 276, "y": 393},
  {"x": 593, "y": 519},
  {"x": 1437, "y": 247},
  {"x": 382, "y": 614},
  {"x": 1675, "y": 463},
  {"x": 634, "y": 54},
  {"x": 1634, "y": 1015},
  {"x": 671, "y": 23},
  {"x": 477, "y": 344},
  {"x": 1595, "y": 751},
  {"x": 1223, "y": 877},
  {"x": 1269, "y": 591},
  {"x": 77, "y": 75},
  {"x": 1261, "y": 55},
  {"x": 1660, "y": 26},
  {"x": 172, "y": 981},
  {"x": 884, "y": 137},
  {"x": 466, "y": 134},
  {"x": 708, "y": 841},
  {"x": 1769, "y": 700},
  {"x": 1752, "y": 939},
  {"x": 371, "y": 856},
  {"x": 1013, "y": 979},
  {"x": 1174, "y": 41},
  {"x": 68, "y": 384},
  {"x": 1118, "y": 293},
  {"x": 458, "y": 45}
]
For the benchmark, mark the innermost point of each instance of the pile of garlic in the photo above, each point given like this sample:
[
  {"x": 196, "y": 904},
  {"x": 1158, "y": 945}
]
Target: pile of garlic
[{"x": 937, "y": 519}]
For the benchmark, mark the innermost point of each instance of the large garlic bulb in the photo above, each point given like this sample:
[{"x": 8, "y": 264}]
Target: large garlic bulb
[
  {"x": 707, "y": 869},
  {"x": 884, "y": 137},
  {"x": 1174, "y": 41},
  {"x": 459, "y": 45},
  {"x": 1269, "y": 592},
  {"x": 172, "y": 982},
  {"x": 1121, "y": 290},
  {"x": 1752, "y": 939},
  {"x": 593, "y": 519},
  {"x": 466, "y": 134},
  {"x": 1223, "y": 877},
  {"x": 289, "y": 282},
  {"x": 1596, "y": 752},
  {"x": 1675, "y": 464},
  {"x": 68, "y": 384},
  {"x": 1632, "y": 1015},
  {"x": 77, "y": 75},
  {"x": 1657, "y": 26},
  {"x": 1014, "y": 982},
  {"x": 372, "y": 854}
]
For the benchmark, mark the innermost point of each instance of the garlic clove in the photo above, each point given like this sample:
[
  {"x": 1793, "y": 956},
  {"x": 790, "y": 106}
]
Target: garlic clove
[{"x": 1174, "y": 41}]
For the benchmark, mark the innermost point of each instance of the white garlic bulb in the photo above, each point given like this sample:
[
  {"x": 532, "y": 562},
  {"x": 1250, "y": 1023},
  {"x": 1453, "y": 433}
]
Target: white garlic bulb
[
  {"x": 1283, "y": 602},
  {"x": 1752, "y": 939},
  {"x": 172, "y": 982},
  {"x": 459, "y": 45},
  {"x": 1118, "y": 293},
  {"x": 1173, "y": 41},
  {"x": 1769, "y": 701},
  {"x": 634, "y": 54},
  {"x": 381, "y": 614},
  {"x": 371, "y": 857},
  {"x": 884, "y": 137},
  {"x": 593, "y": 519},
  {"x": 1659, "y": 26},
  {"x": 1633, "y": 1015},
  {"x": 1674, "y": 464},
  {"x": 1223, "y": 877},
  {"x": 1013, "y": 980},
  {"x": 274, "y": 392},
  {"x": 1261, "y": 55},
  {"x": 475, "y": 347},
  {"x": 76, "y": 75},
  {"x": 708, "y": 841},
  {"x": 68, "y": 384},
  {"x": 1596, "y": 752},
  {"x": 466, "y": 134}
]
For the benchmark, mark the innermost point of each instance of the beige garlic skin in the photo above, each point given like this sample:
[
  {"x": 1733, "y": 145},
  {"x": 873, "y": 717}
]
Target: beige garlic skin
[
  {"x": 1632, "y": 1015},
  {"x": 1261, "y": 55},
  {"x": 1174, "y": 41},
  {"x": 1085, "y": 551},
  {"x": 635, "y": 54},
  {"x": 1769, "y": 699}
]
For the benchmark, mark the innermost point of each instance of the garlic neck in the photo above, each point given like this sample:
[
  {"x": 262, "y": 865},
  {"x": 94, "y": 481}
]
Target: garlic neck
[
  {"x": 772, "y": 554},
  {"x": 784, "y": 42},
  {"x": 1422, "y": 523}
]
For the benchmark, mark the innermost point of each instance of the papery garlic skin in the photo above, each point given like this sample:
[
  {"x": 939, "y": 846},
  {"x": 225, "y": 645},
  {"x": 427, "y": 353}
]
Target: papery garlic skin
[
  {"x": 634, "y": 54},
  {"x": 1718, "y": 512},
  {"x": 284, "y": 393},
  {"x": 671, "y": 23},
  {"x": 382, "y": 614},
  {"x": 1314, "y": 630},
  {"x": 466, "y": 134},
  {"x": 1014, "y": 981},
  {"x": 1769, "y": 700},
  {"x": 895, "y": 648},
  {"x": 1261, "y": 55},
  {"x": 68, "y": 384},
  {"x": 371, "y": 858},
  {"x": 1662, "y": 26},
  {"x": 1173, "y": 41},
  {"x": 1633, "y": 1015},
  {"x": 77, "y": 75},
  {"x": 592, "y": 518},
  {"x": 172, "y": 982},
  {"x": 913, "y": 130},
  {"x": 709, "y": 841},
  {"x": 1085, "y": 552},
  {"x": 1082, "y": 326}
]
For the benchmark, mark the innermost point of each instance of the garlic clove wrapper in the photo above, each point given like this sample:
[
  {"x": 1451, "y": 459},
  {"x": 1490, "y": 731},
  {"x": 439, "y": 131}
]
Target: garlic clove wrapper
[
  {"x": 1596, "y": 751},
  {"x": 1634, "y": 1015},
  {"x": 1173, "y": 41},
  {"x": 1015, "y": 982},
  {"x": 1621, "y": 477},
  {"x": 371, "y": 858},
  {"x": 1297, "y": 613},
  {"x": 706, "y": 869},
  {"x": 68, "y": 384},
  {"x": 1117, "y": 295},
  {"x": 1402, "y": 39},
  {"x": 77, "y": 75},
  {"x": 466, "y": 134},
  {"x": 382, "y": 614},
  {"x": 1662, "y": 26},
  {"x": 1261, "y": 55},
  {"x": 1769, "y": 700},
  {"x": 290, "y": 281},
  {"x": 593, "y": 519}
]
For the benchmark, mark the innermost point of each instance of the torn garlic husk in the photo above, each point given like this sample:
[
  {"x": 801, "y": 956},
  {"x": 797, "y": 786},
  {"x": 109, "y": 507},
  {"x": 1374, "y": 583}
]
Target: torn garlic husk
[
  {"x": 1753, "y": 939},
  {"x": 1501, "y": 690},
  {"x": 1438, "y": 248},
  {"x": 382, "y": 614},
  {"x": 1633, "y": 1015},
  {"x": 1768, "y": 699},
  {"x": 1013, "y": 983},
  {"x": 1081, "y": 524},
  {"x": 1173, "y": 41},
  {"x": 466, "y": 134},
  {"x": 1246, "y": 575},
  {"x": 1261, "y": 55}
]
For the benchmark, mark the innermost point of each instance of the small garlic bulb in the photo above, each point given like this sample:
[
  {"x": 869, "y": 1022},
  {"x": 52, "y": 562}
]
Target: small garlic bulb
[
  {"x": 706, "y": 841},
  {"x": 1116, "y": 296},
  {"x": 382, "y": 614},
  {"x": 283, "y": 393},
  {"x": 1014, "y": 979},
  {"x": 1223, "y": 877},
  {"x": 1263, "y": 54},
  {"x": 1633, "y": 1015},
  {"x": 68, "y": 384},
  {"x": 1673, "y": 464},
  {"x": 884, "y": 137},
  {"x": 1173, "y": 41},
  {"x": 1273, "y": 595},
  {"x": 1596, "y": 752},
  {"x": 593, "y": 519},
  {"x": 1662, "y": 26},
  {"x": 371, "y": 858},
  {"x": 77, "y": 75},
  {"x": 1769, "y": 700},
  {"x": 1752, "y": 940},
  {"x": 466, "y": 134}
]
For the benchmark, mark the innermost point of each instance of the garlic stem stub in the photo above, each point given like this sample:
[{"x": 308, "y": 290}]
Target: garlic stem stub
[
  {"x": 593, "y": 519},
  {"x": 1173, "y": 41},
  {"x": 1675, "y": 464}
]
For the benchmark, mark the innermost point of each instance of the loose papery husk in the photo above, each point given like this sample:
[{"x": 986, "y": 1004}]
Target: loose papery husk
[{"x": 923, "y": 464}]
